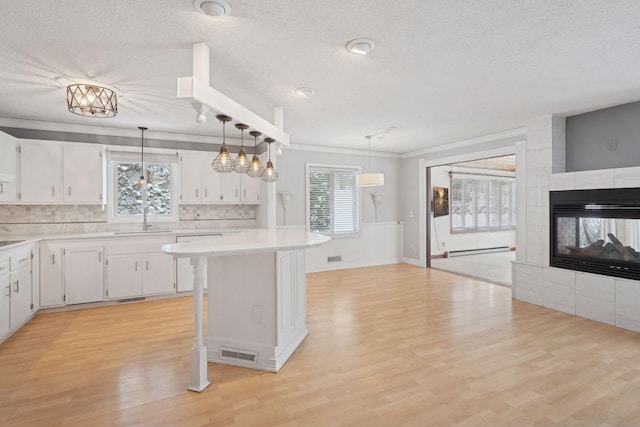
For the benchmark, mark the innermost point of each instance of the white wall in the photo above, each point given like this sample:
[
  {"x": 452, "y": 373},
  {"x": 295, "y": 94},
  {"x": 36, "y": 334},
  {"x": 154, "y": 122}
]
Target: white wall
[
  {"x": 377, "y": 243},
  {"x": 462, "y": 241}
]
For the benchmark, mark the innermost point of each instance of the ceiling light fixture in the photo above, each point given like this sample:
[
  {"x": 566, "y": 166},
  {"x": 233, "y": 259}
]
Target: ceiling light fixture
[
  {"x": 370, "y": 179},
  {"x": 361, "y": 46},
  {"x": 223, "y": 162},
  {"x": 241, "y": 164},
  {"x": 255, "y": 168},
  {"x": 269, "y": 174},
  {"x": 213, "y": 8},
  {"x": 305, "y": 92},
  {"x": 92, "y": 100}
]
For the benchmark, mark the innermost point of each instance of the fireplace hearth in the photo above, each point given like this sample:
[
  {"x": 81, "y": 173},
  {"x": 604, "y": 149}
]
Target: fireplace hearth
[{"x": 596, "y": 231}]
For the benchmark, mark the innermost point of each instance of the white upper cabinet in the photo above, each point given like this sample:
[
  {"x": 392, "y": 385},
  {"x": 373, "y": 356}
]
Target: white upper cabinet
[
  {"x": 40, "y": 172},
  {"x": 190, "y": 177},
  {"x": 7, "y": 168},
  {"x": 53, "y": 172},
  {"x": 211, "y": 183},
  {"x": 250, "y": 189},
  {"x": 83, "y": 173},
  {"x": 230, "y": 187}
]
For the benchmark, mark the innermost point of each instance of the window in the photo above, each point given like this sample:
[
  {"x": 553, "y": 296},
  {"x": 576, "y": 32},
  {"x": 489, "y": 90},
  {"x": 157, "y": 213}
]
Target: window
[
  {"x": 126, "y": 199},
  {"x": 333, "y": 200},
  {"x": 482, "y": 204}
]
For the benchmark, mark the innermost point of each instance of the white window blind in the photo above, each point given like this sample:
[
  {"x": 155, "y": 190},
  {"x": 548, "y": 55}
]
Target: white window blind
[
  {"x": 482, "y": 203},
  {"x": 332, "y": 199}
]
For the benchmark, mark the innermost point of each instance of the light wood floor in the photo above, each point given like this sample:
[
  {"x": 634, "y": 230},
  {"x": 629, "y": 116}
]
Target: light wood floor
[{"x": 388, "y": 346}]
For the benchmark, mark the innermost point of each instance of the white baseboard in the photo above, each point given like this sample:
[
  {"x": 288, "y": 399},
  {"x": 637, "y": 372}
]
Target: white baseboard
[
  {"x": 346, "y": 265},
  {"x": 412, "y": 261}
]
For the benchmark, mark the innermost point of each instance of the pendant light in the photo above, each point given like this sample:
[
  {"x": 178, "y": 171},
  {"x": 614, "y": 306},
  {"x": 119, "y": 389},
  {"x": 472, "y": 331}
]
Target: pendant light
[
  {"x": 255, "y": 169},
  {"x": 142, "y": 181},
  {"x": 370, "y": 179},
  {"x": 92, "y": 100},
  {"x": 223, "y": 163},
  {"x": 241, "y": 164},
  {"x": 269, "y": 174}
]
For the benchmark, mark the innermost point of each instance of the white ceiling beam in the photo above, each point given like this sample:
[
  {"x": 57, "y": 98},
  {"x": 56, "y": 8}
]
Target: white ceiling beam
[{"x": 196, "y": 89}]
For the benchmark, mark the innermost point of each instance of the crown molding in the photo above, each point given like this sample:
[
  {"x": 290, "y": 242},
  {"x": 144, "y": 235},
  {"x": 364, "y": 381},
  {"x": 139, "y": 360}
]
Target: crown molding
[
  {"x": 348, "y": 151},
  {"x": 512, "y": 133}
]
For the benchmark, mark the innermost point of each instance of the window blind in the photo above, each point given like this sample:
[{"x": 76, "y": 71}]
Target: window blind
[{"x": 333, "y": 202}]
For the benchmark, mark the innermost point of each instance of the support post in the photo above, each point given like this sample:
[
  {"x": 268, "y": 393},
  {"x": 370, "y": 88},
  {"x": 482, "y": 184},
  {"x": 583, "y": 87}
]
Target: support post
[{"x": 198, "y": 380}]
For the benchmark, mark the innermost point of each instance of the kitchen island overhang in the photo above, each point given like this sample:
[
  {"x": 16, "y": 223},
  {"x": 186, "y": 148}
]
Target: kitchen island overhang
[{"x": 256, "y": 297}]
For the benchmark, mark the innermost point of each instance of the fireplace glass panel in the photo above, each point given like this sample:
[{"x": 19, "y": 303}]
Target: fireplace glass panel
[{"x": 603, "y": 238}]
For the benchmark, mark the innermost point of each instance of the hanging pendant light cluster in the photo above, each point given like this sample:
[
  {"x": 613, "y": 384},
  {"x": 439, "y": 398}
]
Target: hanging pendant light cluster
[
  {"x": 224, "y": 164},
  {"x": 370, "y": 179},
  {"x": 142, "y": 181}
]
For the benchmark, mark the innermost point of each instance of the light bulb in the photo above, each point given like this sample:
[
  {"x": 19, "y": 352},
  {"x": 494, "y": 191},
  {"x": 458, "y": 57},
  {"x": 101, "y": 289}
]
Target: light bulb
[{"x": 142, "y": 181}]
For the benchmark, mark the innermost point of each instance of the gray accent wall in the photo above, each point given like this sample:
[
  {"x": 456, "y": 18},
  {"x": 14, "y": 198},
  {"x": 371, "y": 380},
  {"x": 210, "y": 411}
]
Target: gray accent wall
[
  {"x": 291, "y": 167},
  {"x": 590, "y": 135}
]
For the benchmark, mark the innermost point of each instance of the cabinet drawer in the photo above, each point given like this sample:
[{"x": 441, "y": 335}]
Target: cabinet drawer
[
  {"x": 19, "y": 260},
  {"x": 4, "y": 265}
]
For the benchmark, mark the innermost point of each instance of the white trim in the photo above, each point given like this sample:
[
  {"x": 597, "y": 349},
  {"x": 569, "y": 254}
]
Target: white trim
[
  {"x": 468, "y": 142},
  {"x": 310, "y": 268},
  {"x": 348, "y": 151},
  {"x": 412, "y": 261},
  {"x": 306, "y": 191},
  {"x": 423, "y": 164}
]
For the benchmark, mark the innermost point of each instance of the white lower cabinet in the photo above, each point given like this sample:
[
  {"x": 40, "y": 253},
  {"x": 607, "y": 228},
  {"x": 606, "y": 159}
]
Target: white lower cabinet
[
  {"x": 135, "y": 275},
  {"x": 16, "y": 305},
  {"x": 51, "y": 279},
  {"x": 84, "y": 274},
  {"x": 5, "y": 305}
]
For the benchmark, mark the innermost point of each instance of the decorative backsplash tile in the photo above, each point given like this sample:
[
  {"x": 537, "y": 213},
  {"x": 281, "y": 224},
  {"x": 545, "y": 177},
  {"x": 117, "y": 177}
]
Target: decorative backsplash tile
[{"x": 65, "y": 219}]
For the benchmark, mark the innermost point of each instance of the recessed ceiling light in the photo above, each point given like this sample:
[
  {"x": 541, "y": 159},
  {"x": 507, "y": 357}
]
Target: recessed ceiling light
[
  {"x": 306, "y": 92},
  {"x": 361, "y": 46},
  {"x": 213, "y": 8}
]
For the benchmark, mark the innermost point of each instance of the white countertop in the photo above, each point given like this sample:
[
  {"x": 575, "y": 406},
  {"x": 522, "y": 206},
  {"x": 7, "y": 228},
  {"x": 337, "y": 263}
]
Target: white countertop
[{"x": 247, "y": 241}]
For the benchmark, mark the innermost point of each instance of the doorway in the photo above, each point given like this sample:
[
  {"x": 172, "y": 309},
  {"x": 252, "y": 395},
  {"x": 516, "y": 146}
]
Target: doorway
[{"x": 471, "y": 218}]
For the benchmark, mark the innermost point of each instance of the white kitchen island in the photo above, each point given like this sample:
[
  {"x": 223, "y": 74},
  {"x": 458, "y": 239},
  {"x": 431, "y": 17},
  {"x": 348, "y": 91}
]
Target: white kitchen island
[{"x": 256, "y": 295}]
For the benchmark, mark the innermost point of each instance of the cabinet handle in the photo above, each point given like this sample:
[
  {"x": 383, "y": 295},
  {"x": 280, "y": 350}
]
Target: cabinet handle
[
  {"x": 23, "y": 260},
  {"x": 221, "y": 197},
  {"x": 136, "y": 265},
  {"x": 99, "y": 256},
  {"x": 17, "y": 286},
  {"x": 69, "y": 191},
  {"x": 53, "y": 191},
  {"x": 147, "y": 265},
  {"x": 245, "y": 192},
  {"x": 3, "y": 268},
  {"x": 53, "y": 259},
  {"x": 197, "y": 193},
  {"x": 8, "y": 294}
]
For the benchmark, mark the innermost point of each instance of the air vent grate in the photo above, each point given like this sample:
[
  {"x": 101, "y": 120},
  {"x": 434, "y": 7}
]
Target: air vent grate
[
  {"x": 239, "y": 355},
  {"x": 336, "y": 258},
  {"x": 130, "y": 299}
]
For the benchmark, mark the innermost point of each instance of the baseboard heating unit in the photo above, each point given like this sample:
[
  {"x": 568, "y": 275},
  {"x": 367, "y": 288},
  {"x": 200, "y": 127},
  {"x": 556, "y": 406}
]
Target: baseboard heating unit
[{"x": 478, "y": 251}]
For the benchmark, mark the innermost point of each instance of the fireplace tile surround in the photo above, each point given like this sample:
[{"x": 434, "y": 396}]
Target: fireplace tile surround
[{"x": 605, "y": 299}]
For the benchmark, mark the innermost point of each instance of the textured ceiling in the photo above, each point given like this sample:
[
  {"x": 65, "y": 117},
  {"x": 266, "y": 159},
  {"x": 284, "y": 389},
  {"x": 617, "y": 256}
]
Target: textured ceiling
[{"x": 442, "y": 71}]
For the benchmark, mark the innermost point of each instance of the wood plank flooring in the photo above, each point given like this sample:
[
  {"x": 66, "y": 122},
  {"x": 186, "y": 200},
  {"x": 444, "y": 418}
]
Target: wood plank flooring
[{"x": 388, "y": 346}]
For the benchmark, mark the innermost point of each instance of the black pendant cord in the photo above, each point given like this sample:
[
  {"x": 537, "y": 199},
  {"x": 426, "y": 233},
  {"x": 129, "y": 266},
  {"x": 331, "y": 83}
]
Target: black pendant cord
[{"x": 142, "y": 129}]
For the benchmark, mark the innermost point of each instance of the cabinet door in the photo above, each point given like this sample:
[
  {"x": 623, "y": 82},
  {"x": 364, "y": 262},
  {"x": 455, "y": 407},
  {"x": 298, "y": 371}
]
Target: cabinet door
[
  {"x": 250, "y": 189},
  {"x": 51, "y": 285},
  {"x": 8, "y": 161},
  {"x": 190, "y": 177},
  {"x": 158, "y": 275},
  {"x": 82, "y": 173},
  {"x": 83, "y": 274},
  {"x": 230, "y": 187},
  {"x": 40, "y": 173},
  {"x": 20, "y": 309},
  {"x": 5, "y": 304},
  {"x": 211, "y": 184},
  {"x": 124, "y": 276}
]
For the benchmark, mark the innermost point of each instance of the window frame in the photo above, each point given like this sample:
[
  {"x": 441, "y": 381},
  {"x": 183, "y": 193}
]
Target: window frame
[
  {"x": 491, "y": 181},
  {"x": 131, "y": 156},
  {"x": 358, "y": 197}
]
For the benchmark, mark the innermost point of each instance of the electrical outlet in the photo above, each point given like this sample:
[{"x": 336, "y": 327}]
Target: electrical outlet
[{"x": 612, "y": 144}]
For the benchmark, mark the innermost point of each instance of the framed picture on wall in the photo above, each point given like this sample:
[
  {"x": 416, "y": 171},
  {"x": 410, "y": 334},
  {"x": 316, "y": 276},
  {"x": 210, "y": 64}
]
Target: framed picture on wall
[{"x": 440, "y": 201}]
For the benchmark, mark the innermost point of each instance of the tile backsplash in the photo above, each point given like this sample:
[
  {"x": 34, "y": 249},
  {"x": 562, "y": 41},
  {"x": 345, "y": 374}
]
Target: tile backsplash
[{"x": 54, "y": 219}]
